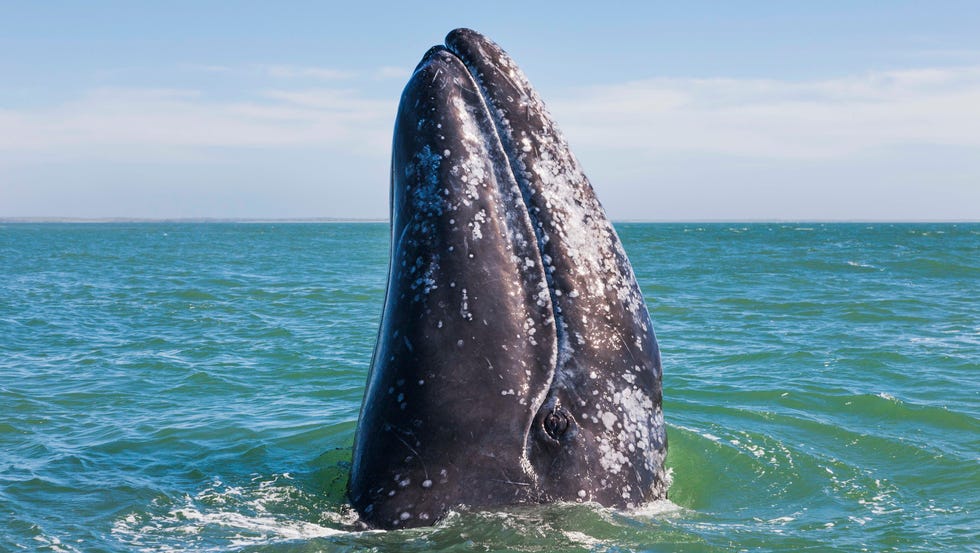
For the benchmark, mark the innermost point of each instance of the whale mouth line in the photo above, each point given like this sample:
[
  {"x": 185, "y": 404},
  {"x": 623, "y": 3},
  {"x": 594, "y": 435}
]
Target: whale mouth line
[
  {"x": 543, "y": 403},
  {"x": 542, "y": 407}
]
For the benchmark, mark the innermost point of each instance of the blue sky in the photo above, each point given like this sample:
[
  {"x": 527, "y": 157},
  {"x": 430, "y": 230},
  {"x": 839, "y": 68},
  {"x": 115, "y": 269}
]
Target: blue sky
[{"x": 677, "y": 111}]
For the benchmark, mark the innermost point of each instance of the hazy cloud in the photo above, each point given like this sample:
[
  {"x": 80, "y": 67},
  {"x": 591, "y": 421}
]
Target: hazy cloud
[
  {"x": 778, "y": 119},
  {"x": 318, "y": 73},
  {"x": 206, "y": 68},
  {"x": 392, "y": 73},
  {"x": 114, "y": 122},
  {"x": 751, "y": 118}
]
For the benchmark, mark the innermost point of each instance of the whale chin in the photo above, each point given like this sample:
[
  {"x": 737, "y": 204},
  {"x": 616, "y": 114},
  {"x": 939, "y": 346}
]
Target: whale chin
[{"x": 516, "y": 361}]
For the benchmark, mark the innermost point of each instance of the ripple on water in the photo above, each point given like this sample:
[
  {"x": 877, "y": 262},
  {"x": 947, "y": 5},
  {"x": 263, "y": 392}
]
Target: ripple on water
[{"x": 163, "y": 388}]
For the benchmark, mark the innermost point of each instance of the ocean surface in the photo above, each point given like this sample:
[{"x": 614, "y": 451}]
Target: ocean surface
[{"x": 195, "y": 387}]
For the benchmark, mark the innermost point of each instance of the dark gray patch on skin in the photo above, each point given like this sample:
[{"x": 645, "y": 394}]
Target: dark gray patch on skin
[{"x": 510, "y": 297}]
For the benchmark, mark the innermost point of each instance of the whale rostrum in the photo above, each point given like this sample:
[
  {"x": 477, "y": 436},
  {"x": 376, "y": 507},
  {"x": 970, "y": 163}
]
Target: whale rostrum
[{"x": 516, "y": 361}]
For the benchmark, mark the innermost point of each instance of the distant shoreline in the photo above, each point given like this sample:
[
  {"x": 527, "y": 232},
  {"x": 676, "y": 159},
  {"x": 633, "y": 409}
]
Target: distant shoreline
[
  {"x": 321, "y": 220},
  {"x": 97, "y": 220}
]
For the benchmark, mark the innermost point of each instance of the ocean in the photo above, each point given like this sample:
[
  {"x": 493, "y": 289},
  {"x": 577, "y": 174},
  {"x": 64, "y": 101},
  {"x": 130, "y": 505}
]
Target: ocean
[{"x": 195, "y": 387}]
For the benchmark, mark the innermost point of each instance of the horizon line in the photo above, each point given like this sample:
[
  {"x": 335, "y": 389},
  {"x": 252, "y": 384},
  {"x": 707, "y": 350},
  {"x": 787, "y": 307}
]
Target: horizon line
[{"x": 320, "y": 220}]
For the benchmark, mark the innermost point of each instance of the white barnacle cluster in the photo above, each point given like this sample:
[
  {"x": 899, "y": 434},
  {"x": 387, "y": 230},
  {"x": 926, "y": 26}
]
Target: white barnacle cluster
[
  {"x": 478, "y": 220},
  {"x": 422, "y": 182},
  {"x": 464, "y": 306},
  {"x": 530, "y": 331},
  {"x": 423, "y": 272},
  {"x": 629, "y": 417},
  {"x": 578, "y": 227},
  {"x": 426, "y": 282},
  {"x": 525, "y": 144},
  {"x": 610, "y": 457},
  {"x": 543, "y": 160},
  {"x": 422, "y": 193},
  {"x": 543, "y": 295},
  {"x": 470, "y": 168}
]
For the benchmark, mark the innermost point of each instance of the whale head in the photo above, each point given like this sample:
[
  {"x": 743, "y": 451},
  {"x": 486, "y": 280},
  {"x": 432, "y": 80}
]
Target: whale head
[{"x": 516, "y": 361}]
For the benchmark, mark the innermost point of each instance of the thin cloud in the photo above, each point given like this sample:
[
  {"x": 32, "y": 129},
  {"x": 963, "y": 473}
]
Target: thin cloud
[
  {"x": 205, "y": 68},
  {"x": 392, "y": 73},
  {"x": 757, "y": 118},
  {"x": 305, "y": 72},
  {"x": 778, "y": 119},
  {"x": 108, "y": 123},
  {"x": 961, "y": 55}
]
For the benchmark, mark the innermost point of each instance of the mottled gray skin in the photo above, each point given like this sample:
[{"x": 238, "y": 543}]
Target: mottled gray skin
[{"x": 516, "y": 361}]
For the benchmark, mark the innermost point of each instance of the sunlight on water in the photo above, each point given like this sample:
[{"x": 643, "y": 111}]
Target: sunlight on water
[
  {"x": 195, "y": 387},
  {"x": 263, "y": 511}
]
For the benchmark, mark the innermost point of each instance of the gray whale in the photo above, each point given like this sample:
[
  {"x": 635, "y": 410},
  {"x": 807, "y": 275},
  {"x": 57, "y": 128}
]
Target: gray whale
[{"x": 516, "y": 361}]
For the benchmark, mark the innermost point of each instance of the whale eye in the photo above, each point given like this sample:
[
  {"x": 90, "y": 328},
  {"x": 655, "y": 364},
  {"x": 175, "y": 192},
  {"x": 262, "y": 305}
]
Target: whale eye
[{"x": 556, "y": 423}]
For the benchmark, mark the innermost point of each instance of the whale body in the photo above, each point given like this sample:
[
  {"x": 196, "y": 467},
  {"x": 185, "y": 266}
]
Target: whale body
[{"x": 516, "y": 360}]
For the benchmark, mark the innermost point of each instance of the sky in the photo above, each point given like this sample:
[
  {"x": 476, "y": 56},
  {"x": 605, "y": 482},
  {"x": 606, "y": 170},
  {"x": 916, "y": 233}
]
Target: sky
[{"x": 678, "y": 111}]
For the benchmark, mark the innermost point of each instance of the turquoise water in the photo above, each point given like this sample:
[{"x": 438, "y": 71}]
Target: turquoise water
[{"x": 195, "y": 387}]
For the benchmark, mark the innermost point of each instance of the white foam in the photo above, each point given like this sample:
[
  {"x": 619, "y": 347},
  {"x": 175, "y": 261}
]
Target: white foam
[
  {"x": 657, "y": 509},
  {"x": 230, "y": 517},
  {"x": 54, "y": 544},
  {"x": 582, "y": 539}
]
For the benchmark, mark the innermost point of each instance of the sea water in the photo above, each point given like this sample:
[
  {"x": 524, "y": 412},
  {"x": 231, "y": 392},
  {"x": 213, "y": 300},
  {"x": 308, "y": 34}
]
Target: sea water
[{"x": 195, "y": 387}]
